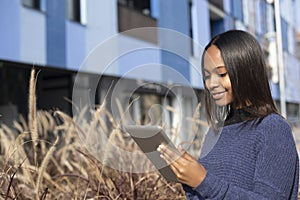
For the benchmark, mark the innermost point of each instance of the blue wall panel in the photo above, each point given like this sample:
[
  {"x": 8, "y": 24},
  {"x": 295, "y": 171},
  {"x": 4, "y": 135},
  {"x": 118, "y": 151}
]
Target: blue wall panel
[
  {"x": 33, "y": 36},
  {"x": 284, "y": 34},
  {"x": 101, "y": 22},
  {"x": 275, "y": 90},
  {"x": 142, "y": 63},
  {"x": 292, "y": 80},
  {"x": 203, "y": 22},
  {"x": 75, "y": 45},
  {"x": 174, "y": 15},
  {"x": 56, "y": 33},
  {"x": 237, "y": 9},
  {"x": 201, "y": 36},
  {"x": 10, "y": 30},
  {"x": 154, "y": 6},
  {"x": 227, "y": 6},
  {"x": 228, "y": 23}
]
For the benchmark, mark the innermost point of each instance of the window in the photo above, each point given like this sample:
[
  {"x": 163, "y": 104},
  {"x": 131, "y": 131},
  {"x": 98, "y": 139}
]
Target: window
[
  {"x": 293, "y": 113},
  {"x": 191, "y": 26},
  {"x": 217, "y": 17},
  {"x": 76, "y": 11},
  {"x": 36, "y": 4},
  {"x": 136, "y": 14},
  {"x": 140, "y": 5}
]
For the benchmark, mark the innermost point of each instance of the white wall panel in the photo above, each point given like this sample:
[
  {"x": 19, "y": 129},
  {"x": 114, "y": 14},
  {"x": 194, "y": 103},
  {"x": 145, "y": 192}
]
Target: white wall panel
[{"x": 32, "y": 36}]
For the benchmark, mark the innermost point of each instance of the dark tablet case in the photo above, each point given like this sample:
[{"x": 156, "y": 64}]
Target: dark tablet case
[{"x": 148, "y": 138}]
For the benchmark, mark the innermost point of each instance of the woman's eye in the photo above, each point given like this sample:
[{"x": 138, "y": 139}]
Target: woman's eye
[{"x": 223, "y": 74}]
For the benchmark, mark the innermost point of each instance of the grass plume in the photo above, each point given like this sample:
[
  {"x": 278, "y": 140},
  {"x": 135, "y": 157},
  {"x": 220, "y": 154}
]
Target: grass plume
[
  {"x": 51, "y": 155},
  {"x": 32, "y": 117}
]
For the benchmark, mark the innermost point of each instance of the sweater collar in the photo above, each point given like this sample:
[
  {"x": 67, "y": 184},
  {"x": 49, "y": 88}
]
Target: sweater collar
[{"x": 236, "y": 116}]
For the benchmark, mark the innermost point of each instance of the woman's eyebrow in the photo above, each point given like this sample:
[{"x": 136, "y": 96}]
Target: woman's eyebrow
[
  {"x": 221, "y": 66},
  {"x": 214, "y": 69}
]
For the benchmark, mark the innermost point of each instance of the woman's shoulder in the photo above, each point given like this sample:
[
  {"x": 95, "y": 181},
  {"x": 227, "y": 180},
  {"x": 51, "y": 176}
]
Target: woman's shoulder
[
  {"x": 275, "y": 120},
  {"x": 274, "y": 128}
]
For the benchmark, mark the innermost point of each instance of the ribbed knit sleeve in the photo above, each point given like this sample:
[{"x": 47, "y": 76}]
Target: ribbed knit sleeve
[{"x": 276, "y": 170}]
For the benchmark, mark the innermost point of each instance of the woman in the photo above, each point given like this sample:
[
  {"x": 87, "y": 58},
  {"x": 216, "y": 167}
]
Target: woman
[{"x": 249, "y": 151}]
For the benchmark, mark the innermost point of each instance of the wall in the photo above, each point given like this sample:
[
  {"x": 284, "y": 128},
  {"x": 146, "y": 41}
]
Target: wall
[
  {"x": 10, "y": 30},
  {"x": 32, "y": 36},
  {"x": 56, "y": 33},
  {"x": 75, "y": 44}
]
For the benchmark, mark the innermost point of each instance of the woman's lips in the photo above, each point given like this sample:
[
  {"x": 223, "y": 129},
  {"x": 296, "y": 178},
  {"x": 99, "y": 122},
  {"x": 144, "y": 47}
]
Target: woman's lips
[{"x": 217, "y": 95}]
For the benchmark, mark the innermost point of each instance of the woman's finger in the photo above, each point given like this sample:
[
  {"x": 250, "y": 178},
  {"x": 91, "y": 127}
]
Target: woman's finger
[
  {"x": 174, "y": 164},
  {"x": 168, "y": 157},
  {"x": 171, "y": 153}
]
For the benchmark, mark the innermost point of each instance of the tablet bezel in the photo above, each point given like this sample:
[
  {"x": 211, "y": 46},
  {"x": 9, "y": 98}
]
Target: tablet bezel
[{"x": 148, "y": 138}]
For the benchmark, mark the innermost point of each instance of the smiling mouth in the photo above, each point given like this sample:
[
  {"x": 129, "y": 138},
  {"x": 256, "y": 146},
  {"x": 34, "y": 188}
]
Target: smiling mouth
[{"x": 217, "y": 95}]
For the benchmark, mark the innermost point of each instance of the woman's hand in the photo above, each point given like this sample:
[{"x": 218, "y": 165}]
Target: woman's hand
[{"x": 187, "y": 169}]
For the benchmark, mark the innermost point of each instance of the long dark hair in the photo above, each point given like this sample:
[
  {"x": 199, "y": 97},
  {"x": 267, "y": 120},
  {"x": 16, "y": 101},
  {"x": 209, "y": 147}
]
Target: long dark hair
[{"x": 244, "y": 60}]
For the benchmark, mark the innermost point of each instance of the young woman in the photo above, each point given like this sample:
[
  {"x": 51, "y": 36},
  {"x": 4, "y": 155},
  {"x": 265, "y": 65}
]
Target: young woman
[{"x": 249, "y": 151}]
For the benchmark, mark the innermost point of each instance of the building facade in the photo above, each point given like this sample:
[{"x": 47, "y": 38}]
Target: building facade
[{"x": 62, "y": 38}]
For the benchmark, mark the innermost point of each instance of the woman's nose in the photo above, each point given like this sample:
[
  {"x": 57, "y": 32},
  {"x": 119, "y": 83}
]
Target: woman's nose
[{"x": 214, "y": 81}]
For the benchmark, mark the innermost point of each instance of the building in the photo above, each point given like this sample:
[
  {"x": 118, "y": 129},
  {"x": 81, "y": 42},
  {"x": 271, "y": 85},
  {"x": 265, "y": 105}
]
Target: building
[{"x": 158, "y": 65}]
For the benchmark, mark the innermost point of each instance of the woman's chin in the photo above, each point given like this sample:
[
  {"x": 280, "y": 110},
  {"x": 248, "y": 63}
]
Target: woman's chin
[{"x": 222, "y": 103}]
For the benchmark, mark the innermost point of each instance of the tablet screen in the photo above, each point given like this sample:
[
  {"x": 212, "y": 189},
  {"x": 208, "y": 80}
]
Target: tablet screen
[{"x": 148, "y": 138}]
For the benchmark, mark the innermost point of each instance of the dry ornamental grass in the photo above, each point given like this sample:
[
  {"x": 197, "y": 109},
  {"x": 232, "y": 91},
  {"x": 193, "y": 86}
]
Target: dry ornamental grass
[{"x": 44, "y": 157}]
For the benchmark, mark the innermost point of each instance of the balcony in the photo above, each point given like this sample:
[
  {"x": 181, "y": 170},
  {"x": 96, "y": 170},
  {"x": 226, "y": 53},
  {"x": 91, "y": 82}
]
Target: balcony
[{"x": 130, "y": 18}]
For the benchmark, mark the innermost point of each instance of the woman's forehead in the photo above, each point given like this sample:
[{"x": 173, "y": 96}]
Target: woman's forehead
[{"x": 213, "y": 58}]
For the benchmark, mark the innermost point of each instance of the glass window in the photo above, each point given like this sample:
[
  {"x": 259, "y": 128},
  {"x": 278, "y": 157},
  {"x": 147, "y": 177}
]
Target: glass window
[
  {"x": 136, "y": 14},
  {"x": 191, "y": 10},
  {"x": 140, "y": 5},
  {"x": 270, "y": 20},
  {"x": 293, "y": 114},
  {"x": 76, "y": 11},
  {"x": 218, "y": 18},
  {"x": 36, "y": 4}
]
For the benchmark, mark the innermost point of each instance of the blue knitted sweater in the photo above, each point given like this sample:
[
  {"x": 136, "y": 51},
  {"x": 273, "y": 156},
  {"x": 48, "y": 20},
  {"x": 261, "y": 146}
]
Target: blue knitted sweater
[{"x": 250, "y": 161}]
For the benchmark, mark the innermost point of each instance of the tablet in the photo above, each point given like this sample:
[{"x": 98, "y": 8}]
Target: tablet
[{"x": 148, "y": 138}]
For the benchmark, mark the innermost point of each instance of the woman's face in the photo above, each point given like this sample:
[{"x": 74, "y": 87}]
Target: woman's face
[{"x": 216, "y": 77}]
